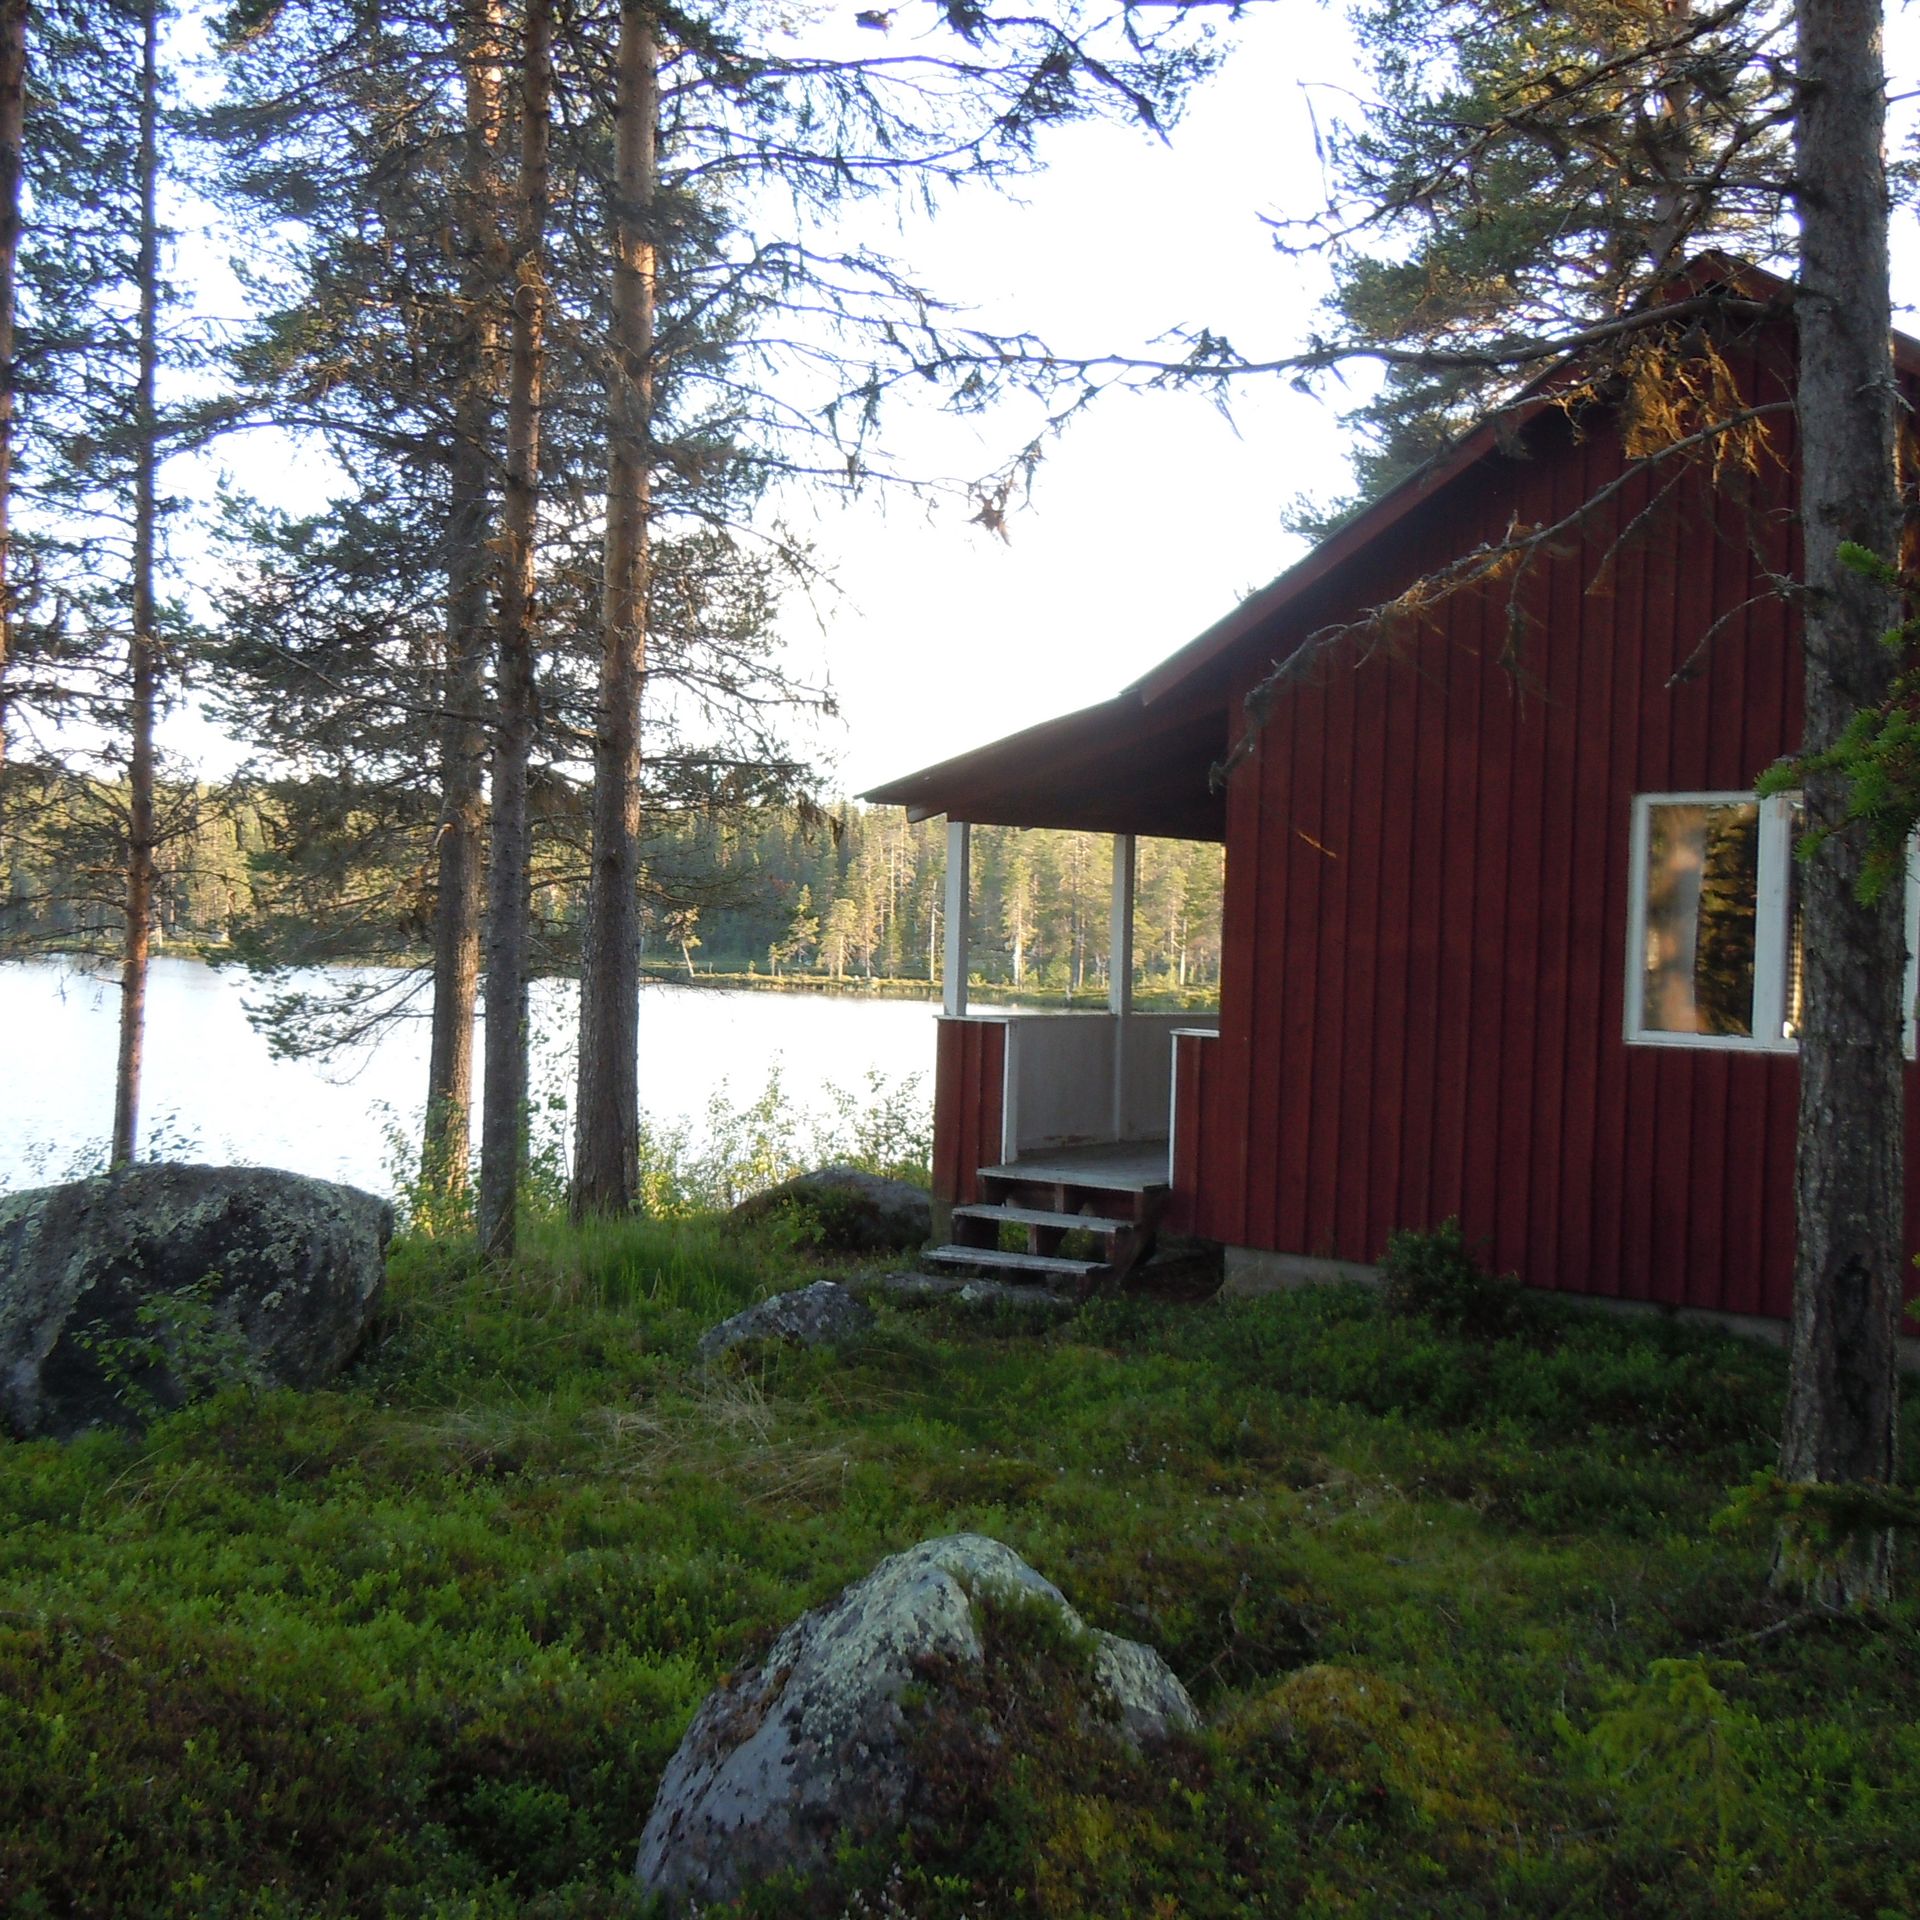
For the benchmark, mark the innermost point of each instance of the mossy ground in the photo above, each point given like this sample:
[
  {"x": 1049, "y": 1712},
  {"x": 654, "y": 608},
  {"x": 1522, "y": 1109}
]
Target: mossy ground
[{"x": 1465, "y": 1635}]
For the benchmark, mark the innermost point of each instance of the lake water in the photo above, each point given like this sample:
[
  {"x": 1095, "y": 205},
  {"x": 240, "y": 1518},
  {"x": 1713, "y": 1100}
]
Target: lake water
[{"x": 213, "y": 1092}]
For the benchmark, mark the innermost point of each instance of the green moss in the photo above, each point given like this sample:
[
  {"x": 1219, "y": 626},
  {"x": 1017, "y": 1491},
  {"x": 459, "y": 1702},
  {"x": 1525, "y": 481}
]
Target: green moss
[{"x": 422, "y": 1643}]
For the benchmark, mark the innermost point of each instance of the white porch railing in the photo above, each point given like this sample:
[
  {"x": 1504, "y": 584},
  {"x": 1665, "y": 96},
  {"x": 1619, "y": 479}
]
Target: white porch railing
[{"x": 1074, "y": 1078}]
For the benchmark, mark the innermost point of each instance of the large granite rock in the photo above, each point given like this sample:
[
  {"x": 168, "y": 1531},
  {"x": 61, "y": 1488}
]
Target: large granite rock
[
  {"x": 128, "y": 1295},
  {"x": 825, "y": 1314},
  {"x": 1038, "y": 1307},
  {"x": 818, "y": 1745},
  {"x": 842, "y": 1210}
]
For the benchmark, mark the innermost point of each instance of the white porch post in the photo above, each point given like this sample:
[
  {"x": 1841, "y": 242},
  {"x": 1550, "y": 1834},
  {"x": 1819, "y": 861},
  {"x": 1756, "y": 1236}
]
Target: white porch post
[
  {"x": 1120, "y": 971},
  {"x": 959, "y": 856}
]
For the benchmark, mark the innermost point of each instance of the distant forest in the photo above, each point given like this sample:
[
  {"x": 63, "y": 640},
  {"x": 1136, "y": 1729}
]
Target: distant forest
[{"x": 296, "y": 874}]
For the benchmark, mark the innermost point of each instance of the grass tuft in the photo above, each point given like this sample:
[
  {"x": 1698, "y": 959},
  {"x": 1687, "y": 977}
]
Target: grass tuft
[{"x": 1447, "y": 1588}]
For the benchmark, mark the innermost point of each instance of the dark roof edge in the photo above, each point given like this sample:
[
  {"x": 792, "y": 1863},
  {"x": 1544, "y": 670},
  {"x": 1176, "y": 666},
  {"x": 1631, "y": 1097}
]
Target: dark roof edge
[
  {"x": 914, "y": 790},
  {"x": 1708, "y": 275}
]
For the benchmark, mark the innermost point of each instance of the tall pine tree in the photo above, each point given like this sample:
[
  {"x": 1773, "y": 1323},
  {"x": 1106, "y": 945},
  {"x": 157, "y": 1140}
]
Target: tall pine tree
[
  {"x": 752, "y": 111},
  {"x": 89, "y": 426},
  {"x": 1528, "y": 178}
]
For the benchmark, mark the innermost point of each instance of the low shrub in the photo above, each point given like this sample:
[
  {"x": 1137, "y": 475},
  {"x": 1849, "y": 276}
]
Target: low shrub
[
  {"x": 690, "y": 1168},
  {"x": 1451, "y": 1602},
  {"x": 1436, "y": 1276}
]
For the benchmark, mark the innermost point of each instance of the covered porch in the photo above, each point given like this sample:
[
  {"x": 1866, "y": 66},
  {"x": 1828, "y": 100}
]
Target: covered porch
[
  {"x": 1081, "y": 1091},
  {"x": 1065, "y": 1123}
]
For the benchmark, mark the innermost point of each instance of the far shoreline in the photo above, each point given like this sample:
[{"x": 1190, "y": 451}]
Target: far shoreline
[{"x": 996, "y": 994}]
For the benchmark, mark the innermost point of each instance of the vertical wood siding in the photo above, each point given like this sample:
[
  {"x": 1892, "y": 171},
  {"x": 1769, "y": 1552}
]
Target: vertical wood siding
[
  {"x": 970, "y": 1076},
  {"x": 1427, "y": 895},
  {"x": 1192, "y": 1149}
]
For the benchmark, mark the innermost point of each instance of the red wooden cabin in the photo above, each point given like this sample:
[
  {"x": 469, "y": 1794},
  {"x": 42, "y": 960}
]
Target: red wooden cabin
[{"x": 1507, "y": 936}]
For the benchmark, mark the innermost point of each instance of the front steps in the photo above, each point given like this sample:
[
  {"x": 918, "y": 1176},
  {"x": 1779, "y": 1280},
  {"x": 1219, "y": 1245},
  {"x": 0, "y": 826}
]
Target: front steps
[{"x": 1045, "y": 1201}]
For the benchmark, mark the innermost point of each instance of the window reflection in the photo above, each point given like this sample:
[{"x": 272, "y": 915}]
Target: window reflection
[
  {"x": 1702, "y": 888},
  {"x": 1796, "y": 950}
]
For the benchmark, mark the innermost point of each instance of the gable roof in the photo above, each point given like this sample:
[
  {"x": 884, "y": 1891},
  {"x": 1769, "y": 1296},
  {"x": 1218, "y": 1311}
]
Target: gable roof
[{"x": 1143, "y": 762}]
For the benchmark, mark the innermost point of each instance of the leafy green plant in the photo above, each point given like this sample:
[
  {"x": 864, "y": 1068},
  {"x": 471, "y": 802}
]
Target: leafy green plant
[
  {"x": 421, "y": 1644},
  {"x": 1436, "y": 1276},
  {"x": 1671, "y": 1750},
  {"x": 741, "y": 1150},
  {"x": 884, "y": 1127},
  {"x": 174, "y": 1347},
  {"x": 1818, "y": 1524},
  {"x": 427, "y": 1200},
  {"x": 1878, "y": 752},
  {"x": 164, "y": 1137}
]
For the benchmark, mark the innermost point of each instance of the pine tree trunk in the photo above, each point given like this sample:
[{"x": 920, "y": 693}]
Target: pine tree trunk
[
  {"x": 607, "y": 1115},
  {"x": 1849, "y": 1181},
  {"x": 509, "y": 881},
  {"x": 1671, "y": 142},
  {"x": 143, "y": 644},
  {"x": 13, "y": 102},
  {"x": 458, "y": 892}
]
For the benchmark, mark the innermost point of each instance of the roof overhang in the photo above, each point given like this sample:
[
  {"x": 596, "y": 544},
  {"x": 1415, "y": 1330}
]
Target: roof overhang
[
  {"x": 1123, "y": 766},
  {"x": 1144, "y": 761}
]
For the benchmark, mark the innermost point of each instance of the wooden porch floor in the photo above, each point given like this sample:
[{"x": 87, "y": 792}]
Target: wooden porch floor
[{"x": 1125, "y": 1166}]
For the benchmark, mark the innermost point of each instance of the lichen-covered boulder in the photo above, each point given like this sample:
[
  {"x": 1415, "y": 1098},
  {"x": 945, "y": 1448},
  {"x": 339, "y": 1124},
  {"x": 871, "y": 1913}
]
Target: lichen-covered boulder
[
  {"x": 125, "y": 1296},
  {"x": 822, "y": 1315},
  {"x": 843, "y": 1210},
  {"x": 824, "y": 1741},
  {"x": 1039, "y": 1306}
]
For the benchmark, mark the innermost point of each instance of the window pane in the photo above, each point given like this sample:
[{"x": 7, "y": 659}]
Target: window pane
[
  {"x": 1796, "y": 949},
  {"x": 1702, "y": 884}
]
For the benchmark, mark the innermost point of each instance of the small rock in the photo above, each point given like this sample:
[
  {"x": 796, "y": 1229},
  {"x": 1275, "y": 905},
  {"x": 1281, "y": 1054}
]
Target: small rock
[
  {"x": 783, "y": 1764},
  {"x": 846, "y": 1211},
  {"x": 126, "y": 1296},
  {"x": 822, "y": 1315},
  {"x": 982, "y": 1296}
]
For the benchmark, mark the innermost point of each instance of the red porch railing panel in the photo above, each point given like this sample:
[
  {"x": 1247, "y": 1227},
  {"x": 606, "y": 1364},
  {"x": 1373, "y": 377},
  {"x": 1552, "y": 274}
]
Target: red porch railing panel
[
  {"x": 969, "y": 1097},
  {"x": 1193, "y": 1057}
]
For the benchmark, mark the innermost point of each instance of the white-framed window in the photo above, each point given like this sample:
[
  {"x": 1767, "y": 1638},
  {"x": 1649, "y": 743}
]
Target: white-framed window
[{"x": 1713, "y": 923}]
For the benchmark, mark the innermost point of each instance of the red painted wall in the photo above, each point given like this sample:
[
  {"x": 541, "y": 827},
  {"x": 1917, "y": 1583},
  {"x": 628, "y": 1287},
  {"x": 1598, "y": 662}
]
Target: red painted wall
[
  {"x": 1426, "y": 909},
  {"x": 970, "y": 1076},
  {"x": 1191, "y": 1149}
]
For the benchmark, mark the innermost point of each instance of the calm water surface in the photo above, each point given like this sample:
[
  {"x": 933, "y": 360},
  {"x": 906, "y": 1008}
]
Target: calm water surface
[{"x": 213, "y": 1092}]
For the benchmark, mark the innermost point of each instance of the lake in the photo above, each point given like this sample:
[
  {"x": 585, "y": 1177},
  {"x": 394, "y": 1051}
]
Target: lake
[{"x": 212, "y": 1091}]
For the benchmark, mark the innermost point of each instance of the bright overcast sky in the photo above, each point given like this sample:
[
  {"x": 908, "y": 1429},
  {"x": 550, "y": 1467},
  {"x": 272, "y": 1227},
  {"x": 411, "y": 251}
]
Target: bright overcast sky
[{"x": 1153, "y": 514}]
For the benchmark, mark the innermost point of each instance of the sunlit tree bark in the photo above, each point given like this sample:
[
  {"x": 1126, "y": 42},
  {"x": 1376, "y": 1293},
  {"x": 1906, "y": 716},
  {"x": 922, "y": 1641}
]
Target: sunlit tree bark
[
  {"x": 509, "y": 905},
  {"x": 13, "y": 101},
  {"x": 606, "y": 1155},
  {"x": 1849, "y": 1175},
  {"x": 143, "y": 644},
  {"x": 460, "y": 888}
]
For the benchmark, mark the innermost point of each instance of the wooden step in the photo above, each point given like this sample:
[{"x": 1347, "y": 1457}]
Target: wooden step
[
  {"x": 1128, "y": 1192},
  {"x": 1049, "y": 1264},
  {"x": 1041, "y": 1217},
  {"x": 1066, "y": 1173},
  {"x": 1129, "y": 1205}
]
